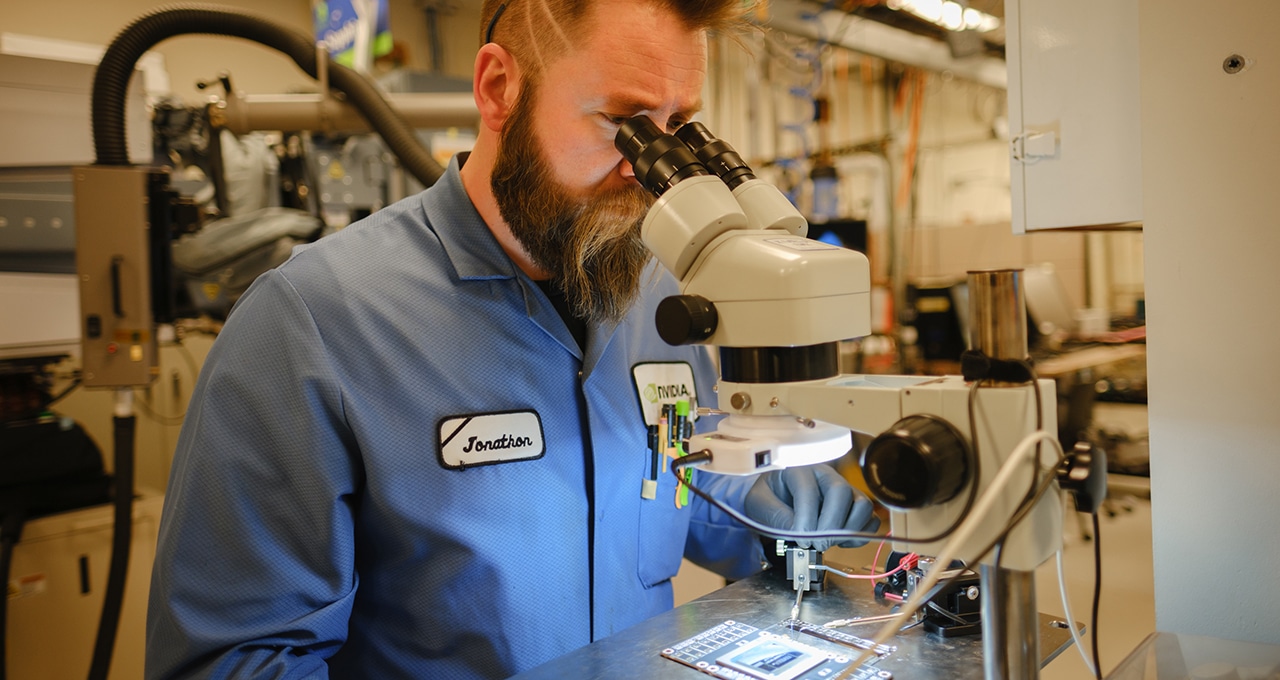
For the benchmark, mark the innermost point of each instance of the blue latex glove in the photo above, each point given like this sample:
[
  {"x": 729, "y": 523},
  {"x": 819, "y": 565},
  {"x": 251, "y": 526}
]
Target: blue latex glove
[{"x": 811, "y": 498}]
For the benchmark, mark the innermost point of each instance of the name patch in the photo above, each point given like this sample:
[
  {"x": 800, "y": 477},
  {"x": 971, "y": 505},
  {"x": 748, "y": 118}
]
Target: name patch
[{"x": 490, "y": 438}]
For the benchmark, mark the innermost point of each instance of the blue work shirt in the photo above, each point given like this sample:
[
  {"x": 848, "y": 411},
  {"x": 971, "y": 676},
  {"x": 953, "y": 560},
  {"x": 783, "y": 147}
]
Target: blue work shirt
[{"x": 314, "y": 526}]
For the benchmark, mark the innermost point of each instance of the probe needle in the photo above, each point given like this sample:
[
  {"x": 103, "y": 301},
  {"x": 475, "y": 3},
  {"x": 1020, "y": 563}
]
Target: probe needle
[
  {"x": 795, "y": 609},
  {"x": 860, "y": 620}
]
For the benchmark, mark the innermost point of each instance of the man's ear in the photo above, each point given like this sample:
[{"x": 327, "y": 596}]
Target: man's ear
[{"x": 496, "y": 85}]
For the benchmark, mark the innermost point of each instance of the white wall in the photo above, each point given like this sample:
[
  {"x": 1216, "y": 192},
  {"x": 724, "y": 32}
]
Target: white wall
[
  {"x": 1212, "y": 238},
  {"x": 964, "y": 164}
]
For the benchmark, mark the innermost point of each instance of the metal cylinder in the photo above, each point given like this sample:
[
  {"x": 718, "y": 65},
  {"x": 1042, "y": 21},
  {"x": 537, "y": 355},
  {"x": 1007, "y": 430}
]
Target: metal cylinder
[
  {"x": 247, "y": 113},
  {"x": 998, "y": 314},
  {"x": 1010, "y": 624}
]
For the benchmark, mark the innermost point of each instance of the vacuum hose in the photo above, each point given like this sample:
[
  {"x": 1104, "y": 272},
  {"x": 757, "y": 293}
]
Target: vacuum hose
[
  {"x": 121, "y": 542},
  {"x": 111, "y": 81},
  {"x": 11, "y": 520}
]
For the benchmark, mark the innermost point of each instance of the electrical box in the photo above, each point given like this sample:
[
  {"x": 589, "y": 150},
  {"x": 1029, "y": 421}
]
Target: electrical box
[
  {"x": 114, "y": 252},
  {"x": 1074, "y": 114},
  {"x": 56, "y": 587}
]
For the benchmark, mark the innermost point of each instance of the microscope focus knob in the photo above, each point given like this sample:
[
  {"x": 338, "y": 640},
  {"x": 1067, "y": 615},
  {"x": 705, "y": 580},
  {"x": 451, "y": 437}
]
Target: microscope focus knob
[
  {"x": 686, "y": 319},
  {"x": 921, "y": 461}
]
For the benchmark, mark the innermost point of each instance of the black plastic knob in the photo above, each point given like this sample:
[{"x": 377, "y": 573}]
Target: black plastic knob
[
  {"x": 686, "y": 319},
  {"x": 1084, "y": 474},
  {"x": 921, "y": 461}
]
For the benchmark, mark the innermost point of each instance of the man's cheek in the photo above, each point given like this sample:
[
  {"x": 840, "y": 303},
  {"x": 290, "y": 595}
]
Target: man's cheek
[{"x": 592, "y": 166}]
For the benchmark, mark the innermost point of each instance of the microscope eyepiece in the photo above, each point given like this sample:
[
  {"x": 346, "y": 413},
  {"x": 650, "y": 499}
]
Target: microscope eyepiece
[
  {"x": 715, "y": 154},
  {"x": 660, "y": 160}
]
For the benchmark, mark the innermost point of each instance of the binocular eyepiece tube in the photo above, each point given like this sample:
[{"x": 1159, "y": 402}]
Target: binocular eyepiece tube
[
  {"x": 663, "y": 160},
  {"x": 660, "y": 160},
  {"x": 715, "y": 154}
]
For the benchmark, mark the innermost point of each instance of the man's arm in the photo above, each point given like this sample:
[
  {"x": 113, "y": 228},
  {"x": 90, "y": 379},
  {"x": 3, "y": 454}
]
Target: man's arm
[
  {"x": 717, "y": 541},
  {"x": 254, "y": 574}
]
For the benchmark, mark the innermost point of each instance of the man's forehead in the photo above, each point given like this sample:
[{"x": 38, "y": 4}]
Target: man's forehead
[
  {"x": 639, "y": 58},
  {"x": 612, "y": 25}
]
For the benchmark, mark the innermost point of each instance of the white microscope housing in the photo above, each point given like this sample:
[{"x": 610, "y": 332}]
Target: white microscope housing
[{"x": 776, "y": 304}]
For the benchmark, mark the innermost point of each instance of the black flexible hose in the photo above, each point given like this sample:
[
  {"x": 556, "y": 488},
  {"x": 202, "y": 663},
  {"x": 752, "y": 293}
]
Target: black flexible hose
[
  {"x": 10, "y": 533},
  {"x": 121, "y": 540},
  {"x": 111, "y": 80},
  {"x": 1097, "y": 594}
]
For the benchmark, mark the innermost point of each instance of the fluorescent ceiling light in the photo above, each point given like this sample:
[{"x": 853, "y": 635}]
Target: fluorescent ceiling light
[{"x": 948, "y": 14}]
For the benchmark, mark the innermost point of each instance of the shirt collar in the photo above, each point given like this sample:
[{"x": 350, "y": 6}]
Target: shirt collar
[
  {"x": 469, "y": 244},
  {"x": 476, "y": 255}
]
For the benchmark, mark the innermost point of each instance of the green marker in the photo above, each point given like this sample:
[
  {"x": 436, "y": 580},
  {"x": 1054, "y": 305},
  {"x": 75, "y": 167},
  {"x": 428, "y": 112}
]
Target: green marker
[
  {"x": 682, "y": 433},
  {"x": 682, "y": 424}
]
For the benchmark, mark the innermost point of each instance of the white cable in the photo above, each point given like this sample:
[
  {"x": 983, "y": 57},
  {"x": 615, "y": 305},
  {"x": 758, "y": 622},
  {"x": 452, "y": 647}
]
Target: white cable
[
  {"x": 1071, "y": 622},
  {"x": 1024, "y": 449}
]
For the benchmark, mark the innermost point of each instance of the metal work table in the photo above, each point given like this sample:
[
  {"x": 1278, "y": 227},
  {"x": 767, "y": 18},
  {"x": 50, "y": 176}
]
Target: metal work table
[{"x": 762, "y": 601}]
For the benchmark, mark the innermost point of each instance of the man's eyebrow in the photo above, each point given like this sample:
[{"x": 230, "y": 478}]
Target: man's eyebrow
[
  {"x": 626, "y": 104},
  {"x": 693, "y": 108}
]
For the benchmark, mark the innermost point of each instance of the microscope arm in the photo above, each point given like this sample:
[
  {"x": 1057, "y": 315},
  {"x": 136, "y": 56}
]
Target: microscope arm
[{"x": 867, "y": 404}]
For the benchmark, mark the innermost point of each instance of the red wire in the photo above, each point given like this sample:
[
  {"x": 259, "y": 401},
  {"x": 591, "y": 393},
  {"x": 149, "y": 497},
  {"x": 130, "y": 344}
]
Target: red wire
[
  {"x": 876, "y": 562},
  {"x": 900, "y": 567},
  {"x": 907, "y": 561}
]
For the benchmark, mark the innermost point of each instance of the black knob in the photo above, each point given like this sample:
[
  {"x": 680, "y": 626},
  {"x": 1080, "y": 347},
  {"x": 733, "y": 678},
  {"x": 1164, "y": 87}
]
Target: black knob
[
  {"x": 921, "y": 461},
  {"x": 686, "y": 319},
  {"x": 1084, "y": 474}
]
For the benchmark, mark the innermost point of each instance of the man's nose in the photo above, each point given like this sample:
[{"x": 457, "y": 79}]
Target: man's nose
[{"x": 626, "y": 170}]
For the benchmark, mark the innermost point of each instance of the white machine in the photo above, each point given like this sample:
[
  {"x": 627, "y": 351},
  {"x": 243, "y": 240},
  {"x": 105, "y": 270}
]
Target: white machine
[{"x": 955, "y": 460}]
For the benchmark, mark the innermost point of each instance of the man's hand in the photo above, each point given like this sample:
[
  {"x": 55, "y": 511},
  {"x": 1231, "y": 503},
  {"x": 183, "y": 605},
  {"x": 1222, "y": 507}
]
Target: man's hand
[{"x": 811, "y": 498}]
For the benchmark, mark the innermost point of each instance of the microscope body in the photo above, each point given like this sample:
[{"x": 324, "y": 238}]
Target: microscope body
[
  {"x": 770, "y": 286},
  {"x": 776, "y": 305},
  {"x": 875, "y": 404}
]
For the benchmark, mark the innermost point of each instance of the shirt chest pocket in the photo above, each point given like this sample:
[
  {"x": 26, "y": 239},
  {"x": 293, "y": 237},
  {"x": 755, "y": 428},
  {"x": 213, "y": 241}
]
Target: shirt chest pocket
[
  {"x": 663, "y": 528},
  {"x": 667, "y": 395}
]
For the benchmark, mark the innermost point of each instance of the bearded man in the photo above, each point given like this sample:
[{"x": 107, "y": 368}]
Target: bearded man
[{"x": 417, "y": 448}]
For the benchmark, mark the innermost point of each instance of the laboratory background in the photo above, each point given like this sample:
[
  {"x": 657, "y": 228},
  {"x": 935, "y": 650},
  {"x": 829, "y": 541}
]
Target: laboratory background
[{"x": 1111, "y": 157}]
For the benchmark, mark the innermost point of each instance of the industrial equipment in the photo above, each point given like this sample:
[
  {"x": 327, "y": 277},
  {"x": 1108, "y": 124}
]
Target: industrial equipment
[
  {"x": 48, "y": 462},
  {"x": 958, "y": 459},
  {"x": 126, "y": 218}
]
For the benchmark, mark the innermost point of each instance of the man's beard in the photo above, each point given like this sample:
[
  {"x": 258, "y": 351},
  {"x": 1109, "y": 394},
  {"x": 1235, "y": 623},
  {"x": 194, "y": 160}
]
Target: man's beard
[{"x": 589, "y": 245}]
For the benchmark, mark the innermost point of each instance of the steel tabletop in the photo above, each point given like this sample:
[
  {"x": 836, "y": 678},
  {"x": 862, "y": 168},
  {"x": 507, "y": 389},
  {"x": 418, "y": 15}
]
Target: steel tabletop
[{"x": 764, "y": 600}]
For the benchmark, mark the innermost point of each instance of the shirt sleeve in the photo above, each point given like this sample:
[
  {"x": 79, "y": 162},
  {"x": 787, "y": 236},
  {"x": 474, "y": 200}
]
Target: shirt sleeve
[
  {"x": 716, "y": 541},
  {"x": 255, "y": 566}
]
